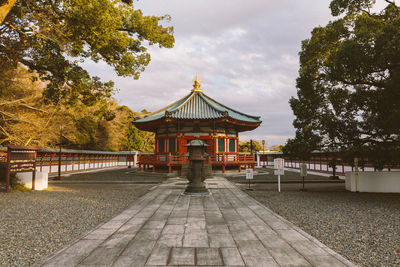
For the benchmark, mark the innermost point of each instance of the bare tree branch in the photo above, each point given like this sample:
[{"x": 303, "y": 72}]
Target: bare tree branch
[{"x": 4, "y": 9}]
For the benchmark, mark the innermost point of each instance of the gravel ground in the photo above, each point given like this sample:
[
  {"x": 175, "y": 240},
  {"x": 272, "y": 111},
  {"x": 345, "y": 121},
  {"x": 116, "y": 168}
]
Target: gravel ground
[
  {"x": 266, "y": 176},
  {"x": 115, "y": 174},
  {"x": 33, "y": 225},
  {"x": 363, "y": 227}
]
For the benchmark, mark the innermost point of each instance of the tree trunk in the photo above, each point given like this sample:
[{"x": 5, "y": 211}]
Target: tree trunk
[
  {"x": 5, "y": 8},
  {"x": 334, "y": 171}
]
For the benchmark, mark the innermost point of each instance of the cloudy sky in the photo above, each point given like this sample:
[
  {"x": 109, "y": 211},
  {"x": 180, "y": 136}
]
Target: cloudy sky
[{"x": 245, "y": 53}]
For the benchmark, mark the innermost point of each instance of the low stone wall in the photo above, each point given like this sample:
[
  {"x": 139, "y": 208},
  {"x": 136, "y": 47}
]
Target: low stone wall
[{"x": 373, "y": 182}]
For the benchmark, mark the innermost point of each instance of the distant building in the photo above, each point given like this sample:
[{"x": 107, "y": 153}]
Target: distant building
[{"x": 196, "y": 115}]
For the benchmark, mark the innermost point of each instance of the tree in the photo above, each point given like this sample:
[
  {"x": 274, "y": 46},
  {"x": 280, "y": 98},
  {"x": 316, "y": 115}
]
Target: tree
[
  {"x": 276, "y": 148},
  {"x": 140, "y": 140},
  {"x": 25, "y": 118},
  {"x": 302, "y": 145},
  {"x": 348, "y": 85},
  {"x": 52, "y": 37},
  {"x": 246, "y": 146},
  {"x": 5, "y": 7}
]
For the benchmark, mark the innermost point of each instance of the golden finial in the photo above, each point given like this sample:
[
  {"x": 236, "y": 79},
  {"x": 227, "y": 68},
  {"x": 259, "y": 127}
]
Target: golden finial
[{"x": 196, "y": 84}]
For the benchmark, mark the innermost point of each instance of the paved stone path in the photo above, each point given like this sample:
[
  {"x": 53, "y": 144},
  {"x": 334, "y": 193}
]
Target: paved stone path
[{"x": 225, "y": 228}]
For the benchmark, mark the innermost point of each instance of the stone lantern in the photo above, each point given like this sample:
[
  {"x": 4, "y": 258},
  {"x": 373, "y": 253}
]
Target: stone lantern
[{"x": 196, "y": 174}]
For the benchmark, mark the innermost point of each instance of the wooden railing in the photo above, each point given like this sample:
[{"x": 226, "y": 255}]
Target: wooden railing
[
  {"x": 48, "y": 160},
  {"x": 232, "y": 158},
  {"x": 175, "y": 159}
]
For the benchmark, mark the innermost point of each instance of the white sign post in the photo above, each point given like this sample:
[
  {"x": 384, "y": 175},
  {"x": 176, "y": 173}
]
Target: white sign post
[
  {"x": 249, "y": 176},
  {"x": 249, "y": 173},
  {"x": 303, "y": 173},
  {"x": 279, "y": 165}
]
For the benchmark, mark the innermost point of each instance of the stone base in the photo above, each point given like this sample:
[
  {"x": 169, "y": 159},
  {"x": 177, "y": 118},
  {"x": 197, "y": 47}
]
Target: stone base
[{"x": 194, "y": 189}]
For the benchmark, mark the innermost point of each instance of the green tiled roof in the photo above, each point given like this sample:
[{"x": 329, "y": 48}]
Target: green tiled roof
[{"x": 198, "y": 106}]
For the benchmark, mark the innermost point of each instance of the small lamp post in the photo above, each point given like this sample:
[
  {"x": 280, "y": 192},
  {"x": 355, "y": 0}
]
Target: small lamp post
[
  {"x": 196, "y": 175},
  {"x": 59, "y": 155},
  {"x": 263, "y": 143},
  {"x": 130, "y": 154}
]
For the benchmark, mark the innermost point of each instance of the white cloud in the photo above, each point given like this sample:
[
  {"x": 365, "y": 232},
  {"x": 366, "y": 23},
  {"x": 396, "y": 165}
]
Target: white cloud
[{"x": 245, "y": 52}]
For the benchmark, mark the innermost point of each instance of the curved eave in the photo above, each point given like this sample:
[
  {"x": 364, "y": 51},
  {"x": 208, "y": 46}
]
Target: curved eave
[
  {"x": 151, "y": 126},
  {"x": 240, "y": 126},
  {"x": 197, "y": 106}
]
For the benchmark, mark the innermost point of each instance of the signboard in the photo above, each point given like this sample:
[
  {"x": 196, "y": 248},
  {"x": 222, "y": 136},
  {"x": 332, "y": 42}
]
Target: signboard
[
  {"x": 21, "y": 159},
  {"x": 249, "y": 173},
  {"x": 279, "y": 166},
  {"x": 303, "y": 169}
]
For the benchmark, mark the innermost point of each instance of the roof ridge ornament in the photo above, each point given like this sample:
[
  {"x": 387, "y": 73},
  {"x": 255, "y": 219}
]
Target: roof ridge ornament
[{"x": 196, "y": 84}]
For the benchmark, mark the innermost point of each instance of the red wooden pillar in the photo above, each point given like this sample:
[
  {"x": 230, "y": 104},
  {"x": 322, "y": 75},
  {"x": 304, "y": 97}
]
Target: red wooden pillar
[
  {"x": 169, "y": 163},
  {"x": 240, "y": 167},
  {"x": 156, "y": 144},
  {"x": 51, "y": 157},
  {"x": 139, "y": 160},
  {"x": 34, "y": 173},
  {"x": 223, "y": 162},
  {"x": 237, "y": 143}
]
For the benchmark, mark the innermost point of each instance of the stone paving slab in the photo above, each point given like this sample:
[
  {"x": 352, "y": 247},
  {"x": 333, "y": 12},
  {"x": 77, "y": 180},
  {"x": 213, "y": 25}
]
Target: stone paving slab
[{"x": 225, "y": 228}]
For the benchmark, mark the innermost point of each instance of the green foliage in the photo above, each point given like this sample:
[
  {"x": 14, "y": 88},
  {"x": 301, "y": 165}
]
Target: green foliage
[
  {"x": 28, "y": 120},
  {"x": 277, "y": 148},
  {"x": 302, "y": 145},
  {"x": 140, "y": 140},
  {"x": 348, "y": 86},
  {"x": 86, "y": 135},
  {"x": 51, "y": 38},
  {"x": 245, "y": 146},
  {"x": 15, "y": 183}
]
